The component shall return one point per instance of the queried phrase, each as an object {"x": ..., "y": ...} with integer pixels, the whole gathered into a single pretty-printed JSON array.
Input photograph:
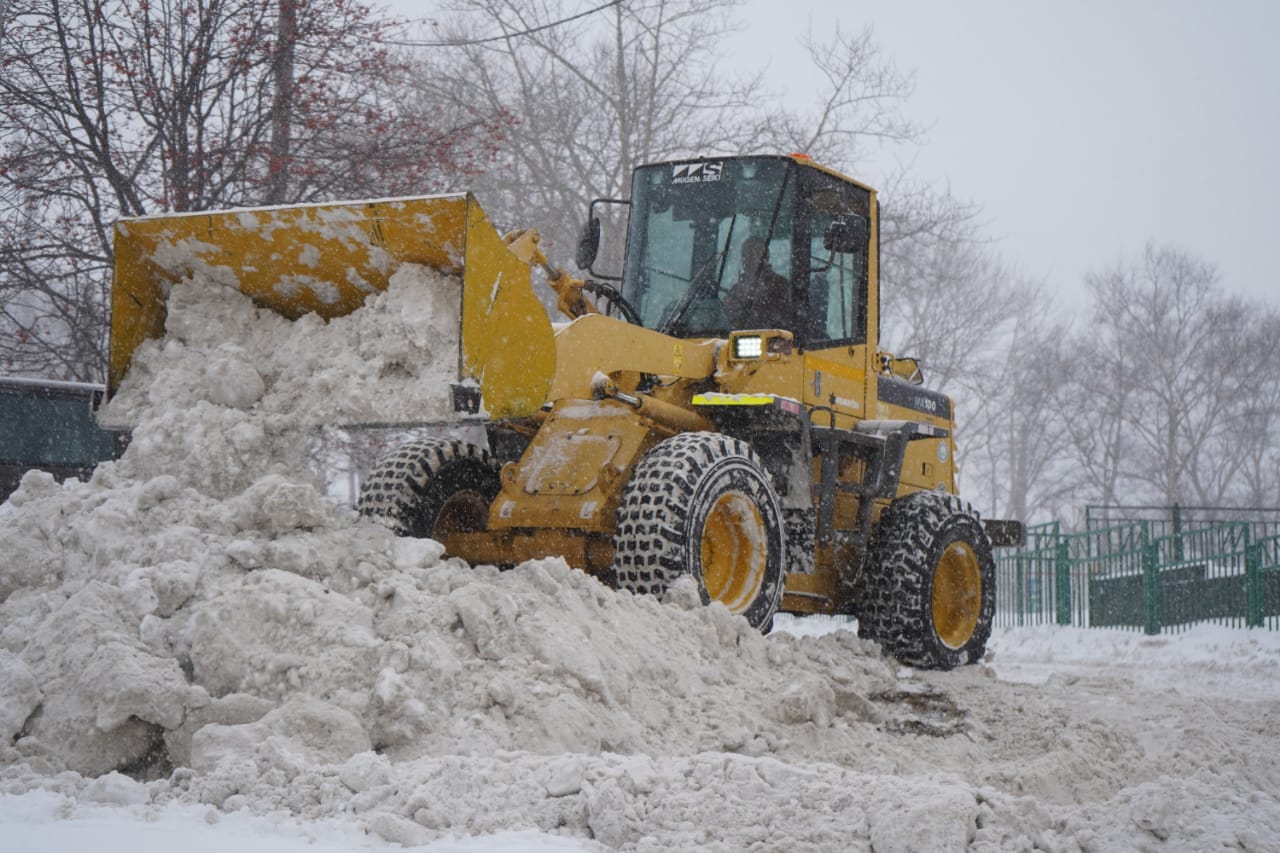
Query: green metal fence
[
  {"x": 1262, "y": 586},
  {"x": 1028, "y": 584},
  {"x": 1175, "y": 518},
  {"x": 1127, "y": 575}
]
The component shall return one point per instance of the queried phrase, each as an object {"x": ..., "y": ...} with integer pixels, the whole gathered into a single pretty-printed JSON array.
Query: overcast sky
[
  {"x": 1087, "y": 129},
  {"x": 1084, "y": 128}
]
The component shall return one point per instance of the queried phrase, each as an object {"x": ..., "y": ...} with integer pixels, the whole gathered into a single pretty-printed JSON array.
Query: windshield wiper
[{"x": 704, "y": 284}]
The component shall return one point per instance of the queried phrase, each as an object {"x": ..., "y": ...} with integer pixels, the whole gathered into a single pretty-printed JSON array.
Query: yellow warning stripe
[{"x": 733, "y": 399}]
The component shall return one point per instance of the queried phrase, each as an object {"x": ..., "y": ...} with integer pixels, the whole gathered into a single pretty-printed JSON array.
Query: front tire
[
  {"x": 929, "y": 597},
  {"x": 431, "y": 488},
  {"x": 701, "y": 504}
]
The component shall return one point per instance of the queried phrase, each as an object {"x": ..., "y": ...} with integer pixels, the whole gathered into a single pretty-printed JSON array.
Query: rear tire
[
  {"x": 701, "y": 504},
  {"x": 430, "y": 488},
  {"x": 929, "y": 594}
]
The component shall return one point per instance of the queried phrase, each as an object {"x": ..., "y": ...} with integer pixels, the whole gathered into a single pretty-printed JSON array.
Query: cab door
[{"x": 834, "y": 334}]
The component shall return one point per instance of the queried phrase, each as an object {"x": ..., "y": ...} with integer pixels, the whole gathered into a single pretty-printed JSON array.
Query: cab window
[{"x": 837, "y": 282}]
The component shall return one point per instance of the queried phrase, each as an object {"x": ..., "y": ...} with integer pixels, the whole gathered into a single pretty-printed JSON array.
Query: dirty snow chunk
[
  {"x": 807, "y": 698},
  {"x": 683, "y": 593},
  {"x": 566, "y": 778},
  {"x": 232, "y": 379},
  {"x": 232, "y": 710},
  {"x": 488, "y": 616},
  {"x": 302, "y": 732},
  {"x": 19, "y": 695},
  {"x": 127, "y": 683},
  {"x": 116, "y": 789},
  {"x": 163, "y": 588},
  {"x": 263, "y": 634},
  {"x": 34, "y": 484},
  {"x": 105, "y": 696},
  {"x": 30, "y": 558},
  {"x": 923, "y": 813},
  {"x": 416, "y": 553},
  {"x": 399, "y": 830},
  {"x": 365, "y": 771},
  {"x": 275, "y": 504}
]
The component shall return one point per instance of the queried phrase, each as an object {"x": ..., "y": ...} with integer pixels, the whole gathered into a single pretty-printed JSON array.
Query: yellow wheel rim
[
  {"x": 735, "y": 551},
  {"x": 957, "y": 594}
]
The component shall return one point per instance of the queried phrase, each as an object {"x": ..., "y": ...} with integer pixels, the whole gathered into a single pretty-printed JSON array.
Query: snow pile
[
  {"x": 222, "y": 396},
  {"x": 198, "y": 625}
]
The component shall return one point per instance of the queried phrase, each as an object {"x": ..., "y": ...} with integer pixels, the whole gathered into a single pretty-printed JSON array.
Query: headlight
[{"x": 748, "y": 346}]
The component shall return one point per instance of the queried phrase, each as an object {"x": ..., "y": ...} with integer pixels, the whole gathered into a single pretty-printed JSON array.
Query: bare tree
[
  {"x": 950, "y": 303},
  {"x": 1241, "y": 443},
  {"x": 981, "y": 334},
  {"x": 115, "y": 108},
  {"x": 1095, "y": 394},
  {"x": 593, "y": 97},
  {"x": 1016, "y": 427},
  {"x": 1254, "y": 477},
  {"x": 1178, "y": 382},
  {"x": 638, "y": 82},
  {"x": 856, "y": 107}
]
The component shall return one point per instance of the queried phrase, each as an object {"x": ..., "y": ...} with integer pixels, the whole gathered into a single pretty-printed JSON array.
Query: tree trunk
[{"x": 282, "y": 102}]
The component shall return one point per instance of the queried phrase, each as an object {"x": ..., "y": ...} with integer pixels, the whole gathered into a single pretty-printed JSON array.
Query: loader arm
[
  {"x": 596, "y": 344},
  {"x": 571, "y": 292}
]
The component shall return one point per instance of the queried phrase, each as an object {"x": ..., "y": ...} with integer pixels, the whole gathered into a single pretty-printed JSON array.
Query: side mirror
[
  {"x": 907, "y": 368},
  {"x": 847, "y": 233},
  {"x": 588, "y": 244}
]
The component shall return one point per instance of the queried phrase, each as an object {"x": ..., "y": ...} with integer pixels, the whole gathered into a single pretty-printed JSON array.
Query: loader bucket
[{"x": 326, "y": 259}]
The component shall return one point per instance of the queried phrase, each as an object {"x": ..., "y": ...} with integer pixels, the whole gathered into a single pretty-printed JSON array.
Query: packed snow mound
[
  {"x": 200, "y": 623},
  {"x": 249, "y": 379},
  {"x": 167, "y": 606}
]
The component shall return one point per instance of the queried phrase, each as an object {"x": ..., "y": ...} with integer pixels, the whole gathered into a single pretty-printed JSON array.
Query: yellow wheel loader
[{"x": 718, "y": 409}]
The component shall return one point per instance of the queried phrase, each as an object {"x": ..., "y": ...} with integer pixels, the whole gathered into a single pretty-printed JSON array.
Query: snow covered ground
[
  {"x": 273, "y": 673},
  {"x": 1168, "y": 687}
]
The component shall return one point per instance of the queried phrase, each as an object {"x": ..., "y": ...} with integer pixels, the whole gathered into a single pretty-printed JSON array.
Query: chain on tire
[
  {"x": 929, "y": 593},
  {"x": 431, "y": 487},
  {"x": 701, "y": 504}
]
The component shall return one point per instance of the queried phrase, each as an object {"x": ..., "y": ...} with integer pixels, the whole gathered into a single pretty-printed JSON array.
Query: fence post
[
  {"x": 1178, "y": 553},
  {"x": 1062, "y": 580},
  {"x": 1151, "y": 588},
  {"x": 1020, "y": 586},
  {"x": 1253, "y": 586}
]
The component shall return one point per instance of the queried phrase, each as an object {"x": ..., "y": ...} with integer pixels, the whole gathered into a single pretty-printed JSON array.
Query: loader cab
[{"x": 725, "y": 244}]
